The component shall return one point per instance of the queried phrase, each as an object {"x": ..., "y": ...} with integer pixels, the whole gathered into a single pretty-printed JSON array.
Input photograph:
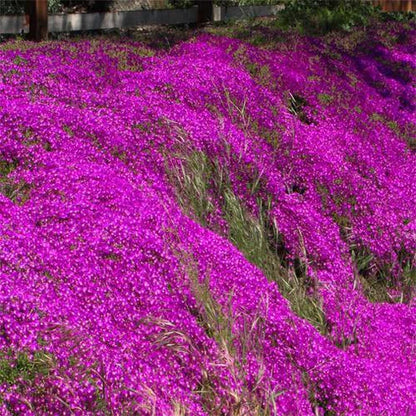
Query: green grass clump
[
  {"x": 18, "y": 192},
  {"x": 377, "y": 281},
  {"x": 24, "y": 366},
  {"x": 234, "y": 347},
  {"x": 202, "y": 185}
]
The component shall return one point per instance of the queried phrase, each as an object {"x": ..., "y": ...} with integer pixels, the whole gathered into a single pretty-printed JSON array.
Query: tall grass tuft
[{"x": 202, "y": 187}]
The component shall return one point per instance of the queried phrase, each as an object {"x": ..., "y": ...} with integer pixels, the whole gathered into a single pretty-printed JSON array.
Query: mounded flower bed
[{"x": 221, "y": 228}]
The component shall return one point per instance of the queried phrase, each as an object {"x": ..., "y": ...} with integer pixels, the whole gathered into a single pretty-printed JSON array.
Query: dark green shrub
[
  {"x": 17, "y": 7},
  {"x": 180, "y": 4},
  {"x": 398, "y": 16},
  {"x": 322, "y": 16},
  {"x": 245, "y": 2}
]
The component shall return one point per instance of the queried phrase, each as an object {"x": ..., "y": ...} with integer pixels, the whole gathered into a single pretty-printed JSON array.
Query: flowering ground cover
[{"x": 224, "y": 228}]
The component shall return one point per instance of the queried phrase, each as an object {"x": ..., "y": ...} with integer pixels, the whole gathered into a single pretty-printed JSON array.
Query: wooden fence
[{"x": 396, "y": 5}]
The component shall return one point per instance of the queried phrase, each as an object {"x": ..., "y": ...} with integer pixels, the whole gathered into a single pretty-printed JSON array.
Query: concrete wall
[
  {"x": 93, "y": 21},
  {"x": 12, "y": 24}
]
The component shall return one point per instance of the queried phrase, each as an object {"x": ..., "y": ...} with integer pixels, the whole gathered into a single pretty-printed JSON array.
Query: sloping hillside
[{"x": 219, "y": 229}]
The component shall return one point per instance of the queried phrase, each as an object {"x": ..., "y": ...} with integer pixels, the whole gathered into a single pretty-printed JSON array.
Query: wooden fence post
[
  {"x": 204, "y": 10},
  {"x": 38, "y": 19}
]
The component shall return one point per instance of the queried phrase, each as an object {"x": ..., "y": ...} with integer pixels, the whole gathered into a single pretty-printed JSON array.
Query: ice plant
[{"x": 216, "y": 229}]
